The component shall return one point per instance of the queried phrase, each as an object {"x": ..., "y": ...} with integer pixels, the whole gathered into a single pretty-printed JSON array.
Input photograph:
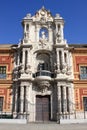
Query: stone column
[
  {"x": 15, "y": 109},
  {"x": 59, "y": 98},
  {"x": 27, "y": 103},
  {"x": 21, "y": 100},
  {"x": 15, "y": 101},
  {"x": 27, "y": 100},
  {"x": 67, "y": 58},
  {"x": 23, "y": 59},
  {"x": 64, "y": 100},
  {"x": 72, "y": 99},
  {"x": 29, "y": 57},
  {"x": 50, "y": 36},
  {"x": 56, "y": 31},
  {"x": 67, "y": 62},
  {"x": 62, "y": 53},
  {"x": 37, "y": 33},
  {"x": 56, "y": 28},
  {"x": 70, "y": 59},
  {"x": 63, "y": 61},
  {"x": 58, "y": 61}
]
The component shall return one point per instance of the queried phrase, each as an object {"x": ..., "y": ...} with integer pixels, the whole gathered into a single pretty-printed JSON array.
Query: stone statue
[
  {"x": 43, "y": 35},
  {"x": 43, "y": 38}
]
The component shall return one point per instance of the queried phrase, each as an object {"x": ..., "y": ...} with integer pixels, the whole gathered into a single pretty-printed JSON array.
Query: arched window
[{"x": 43, "y": 62}]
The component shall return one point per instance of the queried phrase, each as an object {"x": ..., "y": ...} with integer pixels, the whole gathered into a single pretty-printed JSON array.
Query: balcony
[{"x": 42, "y": 75}]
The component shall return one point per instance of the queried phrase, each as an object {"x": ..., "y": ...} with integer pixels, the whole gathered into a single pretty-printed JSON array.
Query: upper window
[
  {"x": 83, "y": 72},
  {"x": 2, "y": 72}
]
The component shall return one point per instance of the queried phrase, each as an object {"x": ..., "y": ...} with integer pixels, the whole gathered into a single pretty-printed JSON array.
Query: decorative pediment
[{"x": 43, "y": 15}]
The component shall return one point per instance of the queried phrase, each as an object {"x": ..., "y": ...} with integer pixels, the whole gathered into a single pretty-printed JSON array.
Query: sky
[{"x": 74, "y": 13}]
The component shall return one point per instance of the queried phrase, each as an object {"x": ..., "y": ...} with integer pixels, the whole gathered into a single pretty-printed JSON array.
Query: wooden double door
[{"x": 42, "y": 108}]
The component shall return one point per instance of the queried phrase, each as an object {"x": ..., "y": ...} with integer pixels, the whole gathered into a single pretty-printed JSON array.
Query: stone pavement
[{"x": 43, "y": 126}]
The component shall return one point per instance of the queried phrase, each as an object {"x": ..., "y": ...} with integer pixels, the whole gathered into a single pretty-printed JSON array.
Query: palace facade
[
  {"x": 46, "y": 75},
  {"x": 43, "y": 74},
  {"x": 6, "y": 67},
  {"x": 79, "y": 54}
]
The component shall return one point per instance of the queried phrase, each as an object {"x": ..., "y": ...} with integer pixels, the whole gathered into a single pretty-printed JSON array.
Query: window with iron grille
[
  {"x": 1, "y": 103},
  {"x": 85, "y": 103},
  {"x": 2, "y": 72},
  {"x": 83, "y": 72}
]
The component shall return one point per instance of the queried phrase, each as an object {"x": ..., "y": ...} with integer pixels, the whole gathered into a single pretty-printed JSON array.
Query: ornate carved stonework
[
  {"x": 43, "y": 16},
  {"x": 21, "y": 69},
  {"x": 28, "y": 70},
  {"x": 43, "y": 85}
]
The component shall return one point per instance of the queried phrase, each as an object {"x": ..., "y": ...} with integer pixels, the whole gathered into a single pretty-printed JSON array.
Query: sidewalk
[{"x": 43, "y": 126}]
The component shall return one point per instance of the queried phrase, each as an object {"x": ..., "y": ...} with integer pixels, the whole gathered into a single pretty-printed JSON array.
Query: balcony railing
[{"x": 44, "y": 73}]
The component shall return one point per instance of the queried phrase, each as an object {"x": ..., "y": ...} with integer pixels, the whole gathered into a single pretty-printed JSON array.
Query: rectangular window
[
  {"x": 83, "y": 72},
  {"x": 2, "y": 72},
  {"x": 1, "y": 103},
  {"x": 85, "y": 103}
]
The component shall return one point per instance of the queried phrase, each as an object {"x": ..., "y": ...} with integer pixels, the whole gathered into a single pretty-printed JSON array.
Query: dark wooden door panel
[{"x": 42, "y": 108}]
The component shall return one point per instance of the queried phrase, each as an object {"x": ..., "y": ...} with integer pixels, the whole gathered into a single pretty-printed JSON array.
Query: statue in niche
[
  {"x": 43, "y": 38},
  {"x": 43, "y": 35}
]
